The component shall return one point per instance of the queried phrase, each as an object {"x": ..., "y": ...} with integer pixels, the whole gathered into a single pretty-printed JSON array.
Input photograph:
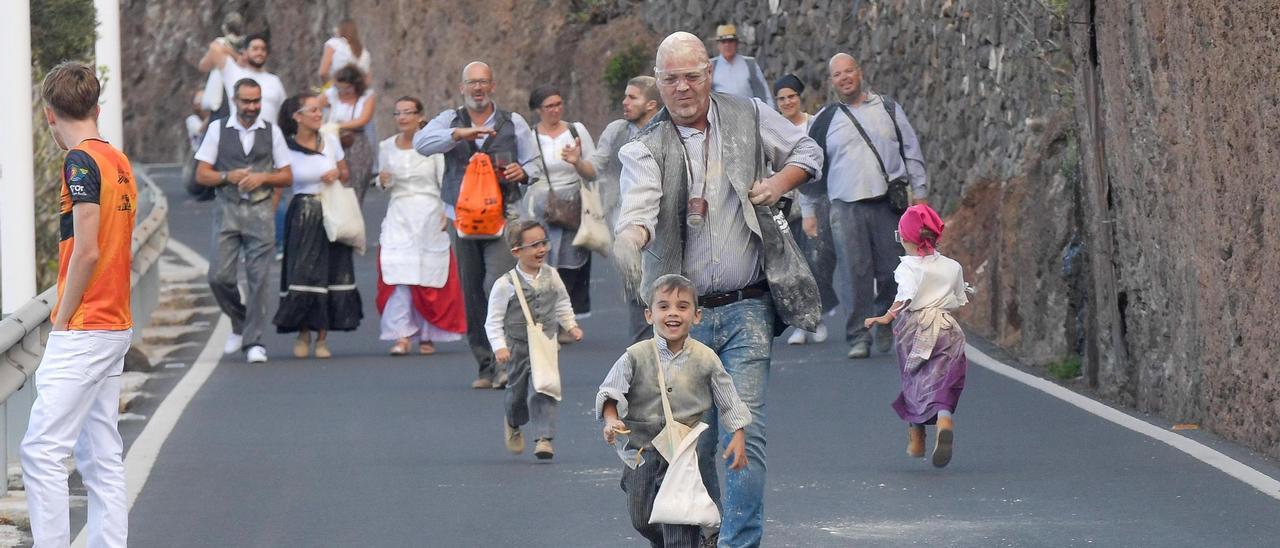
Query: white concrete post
[
  {"x": 17, "y": 167},
  {"x": 106, "y": 52}
]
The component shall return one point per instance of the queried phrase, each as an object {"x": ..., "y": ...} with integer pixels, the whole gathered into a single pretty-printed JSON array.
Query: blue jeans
[{"x": 742, "y": 335}]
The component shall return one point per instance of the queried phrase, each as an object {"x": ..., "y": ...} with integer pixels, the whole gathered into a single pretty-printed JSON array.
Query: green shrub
[
  {"x": 634, "y": 60},
  {"x": 1066, "y": 368}
]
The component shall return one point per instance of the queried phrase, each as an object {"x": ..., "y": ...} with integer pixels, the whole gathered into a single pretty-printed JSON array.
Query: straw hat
[{"x": 726, "y": 32}]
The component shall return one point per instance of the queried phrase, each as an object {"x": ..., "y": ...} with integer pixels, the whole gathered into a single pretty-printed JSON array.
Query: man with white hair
[
  {"x": 870, "y": 147},
  {"x": 737, "y": 74},
  {"x": 479, "y": 126},
  {"x": 694, "y": 203}
]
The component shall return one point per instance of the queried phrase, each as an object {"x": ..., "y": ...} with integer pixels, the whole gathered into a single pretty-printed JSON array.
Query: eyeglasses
[
  {"x": 404, "y": 112},
  {"x": 476, "y": 83},
  {"x": 310, "y": 110},
  {"x": 693, "y": 76},
  {"x": 535, "y": 244},
  {"x": 897, "y": 236}
]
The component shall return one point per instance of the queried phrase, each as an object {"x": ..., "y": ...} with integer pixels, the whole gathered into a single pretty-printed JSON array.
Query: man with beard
[
  {"x": 695, "y": 202},
  {"x": 244, "y": 158},
  {"x": 236, "y": 67},
  {"x": 855, "y": 179},
  {"x": 639, "y": 103},
  {"x": 479, "y": 126}
]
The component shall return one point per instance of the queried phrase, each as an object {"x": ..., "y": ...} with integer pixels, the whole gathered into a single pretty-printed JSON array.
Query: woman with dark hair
[
  {"x": 815, "y": 238},
  {"x": 317, "y": 278},
  {"x": 419, "y": 294},
  {"x": 558, "y": 186},
  {"x": 344, "y": 48},
  {"x": 351, "y": 105}
]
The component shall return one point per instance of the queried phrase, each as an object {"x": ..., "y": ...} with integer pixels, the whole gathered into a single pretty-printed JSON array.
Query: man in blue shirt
[{"x": 856, "y": 180}]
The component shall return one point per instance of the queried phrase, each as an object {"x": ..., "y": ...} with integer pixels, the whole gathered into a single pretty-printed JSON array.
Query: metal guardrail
[{"x": 23, "y": 333}]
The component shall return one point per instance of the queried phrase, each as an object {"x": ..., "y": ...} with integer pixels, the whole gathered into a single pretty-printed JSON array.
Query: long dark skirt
[
  {"x": 577, "y": 281},
  {"x": 317, "y": 278}
]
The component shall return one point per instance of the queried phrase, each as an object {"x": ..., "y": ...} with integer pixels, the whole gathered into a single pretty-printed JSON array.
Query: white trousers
[{"x": 77, "y": 407}]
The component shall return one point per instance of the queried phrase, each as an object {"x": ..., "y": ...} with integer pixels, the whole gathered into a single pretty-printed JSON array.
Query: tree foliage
[
  {"x": 624, "y": 65},
  {"x": 61, "y": 30}
]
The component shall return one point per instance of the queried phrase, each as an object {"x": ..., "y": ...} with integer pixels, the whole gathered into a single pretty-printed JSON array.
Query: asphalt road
[{"x": 369, "y": 450}]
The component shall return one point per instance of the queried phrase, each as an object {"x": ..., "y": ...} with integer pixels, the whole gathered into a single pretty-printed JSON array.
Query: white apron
[{"x": 415, "y": 247}]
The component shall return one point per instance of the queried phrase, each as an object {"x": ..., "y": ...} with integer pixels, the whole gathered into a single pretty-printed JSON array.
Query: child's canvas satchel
[
  {"x": 544, "y": 352},
  {"x": 682, "y": 499}
]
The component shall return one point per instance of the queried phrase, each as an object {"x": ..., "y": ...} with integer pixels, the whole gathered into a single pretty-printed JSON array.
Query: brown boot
[
  {"x": 915, "y": 441},
  {"x": 942, "y": 446}
]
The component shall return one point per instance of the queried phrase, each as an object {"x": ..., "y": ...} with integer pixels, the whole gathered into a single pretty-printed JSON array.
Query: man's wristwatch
[{"x": 224, "y": 180}]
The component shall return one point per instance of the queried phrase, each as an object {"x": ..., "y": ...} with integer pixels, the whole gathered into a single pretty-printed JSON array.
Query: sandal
[
  {"x": 401, "y": 347},
  {"x": 322, "y": 349},
  {"x": 427, "y": 348},
  {"x": 302, "y": 346}
]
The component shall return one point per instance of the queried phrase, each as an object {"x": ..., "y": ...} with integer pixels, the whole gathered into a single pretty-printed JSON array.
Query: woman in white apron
[{"x": 419, "y": 295}]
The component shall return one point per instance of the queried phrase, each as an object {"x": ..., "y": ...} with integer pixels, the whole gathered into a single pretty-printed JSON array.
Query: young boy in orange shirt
[{"x": 78, "y": 381}]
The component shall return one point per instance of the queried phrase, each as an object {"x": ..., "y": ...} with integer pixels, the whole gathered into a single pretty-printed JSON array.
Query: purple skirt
[{"x": 937, "y": 383}]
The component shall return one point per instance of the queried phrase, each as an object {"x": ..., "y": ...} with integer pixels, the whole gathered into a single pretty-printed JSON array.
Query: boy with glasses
[{"x": 548, "y": 303}]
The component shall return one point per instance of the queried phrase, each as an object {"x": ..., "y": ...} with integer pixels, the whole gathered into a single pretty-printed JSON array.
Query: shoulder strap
[
  {"x": 891, "y": 107},
  {"x": 662, "y": 383},
  {"x": 524, "y": 305},
  {"x": 866, "y": 139},
  {"x": 573, "y": 130},
  {"x": 537, "y": 137}
]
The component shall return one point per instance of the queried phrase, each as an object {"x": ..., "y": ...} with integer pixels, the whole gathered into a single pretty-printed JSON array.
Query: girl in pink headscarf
[{"x": 929, "y": 341}]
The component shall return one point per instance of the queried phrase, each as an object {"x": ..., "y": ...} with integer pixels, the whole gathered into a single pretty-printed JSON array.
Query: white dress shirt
[
  {"x": 208, "y": 151},
  {"x": 502, "y": 293}
]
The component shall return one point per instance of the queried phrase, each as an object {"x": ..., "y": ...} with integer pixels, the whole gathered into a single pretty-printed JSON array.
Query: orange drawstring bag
[{"x": 480, "y": 211}]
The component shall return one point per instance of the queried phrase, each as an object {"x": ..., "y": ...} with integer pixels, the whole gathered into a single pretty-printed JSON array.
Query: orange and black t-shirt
[{"x": 96, "y": 173}]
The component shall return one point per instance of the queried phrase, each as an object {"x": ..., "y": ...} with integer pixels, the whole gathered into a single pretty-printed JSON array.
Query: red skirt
[{"x": 442, "y": 306}]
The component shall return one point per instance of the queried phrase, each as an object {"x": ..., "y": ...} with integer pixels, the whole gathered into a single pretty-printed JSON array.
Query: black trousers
[{"x": 480, "y": 263}]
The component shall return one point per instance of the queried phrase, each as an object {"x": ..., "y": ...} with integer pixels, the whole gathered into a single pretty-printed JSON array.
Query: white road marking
[
  {"x": 1232, "y": 467},
  {"x": 142, "y": 454}
]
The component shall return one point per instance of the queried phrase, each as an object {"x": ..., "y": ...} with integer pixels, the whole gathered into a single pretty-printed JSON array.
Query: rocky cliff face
[
  {"x": 997, "y": 91},
  {"x": 1185, "y": 115}
]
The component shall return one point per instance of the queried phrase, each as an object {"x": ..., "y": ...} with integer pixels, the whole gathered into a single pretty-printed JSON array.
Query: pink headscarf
[{"x": 915, "y": 218}]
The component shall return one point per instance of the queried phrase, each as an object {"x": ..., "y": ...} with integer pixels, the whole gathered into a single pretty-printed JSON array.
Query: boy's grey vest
[
  {"x": 542, "y": 305},
  {"x": 689, "y": 389},
  {"x": 458, "y": 157},
  {"x": 795, "y": 293},
  {"x": 231, "y": 157}
]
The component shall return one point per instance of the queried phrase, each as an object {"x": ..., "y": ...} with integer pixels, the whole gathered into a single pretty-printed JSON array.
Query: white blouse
[
  {"x": 934, "y": 281},
  {"x": 342, "y": 56},
  {"x": 562, "y": 174},
  {"x": 308, "y": 168},
  {"x": 342, "y": 112},
  {"x": 412, "y": 174}
]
